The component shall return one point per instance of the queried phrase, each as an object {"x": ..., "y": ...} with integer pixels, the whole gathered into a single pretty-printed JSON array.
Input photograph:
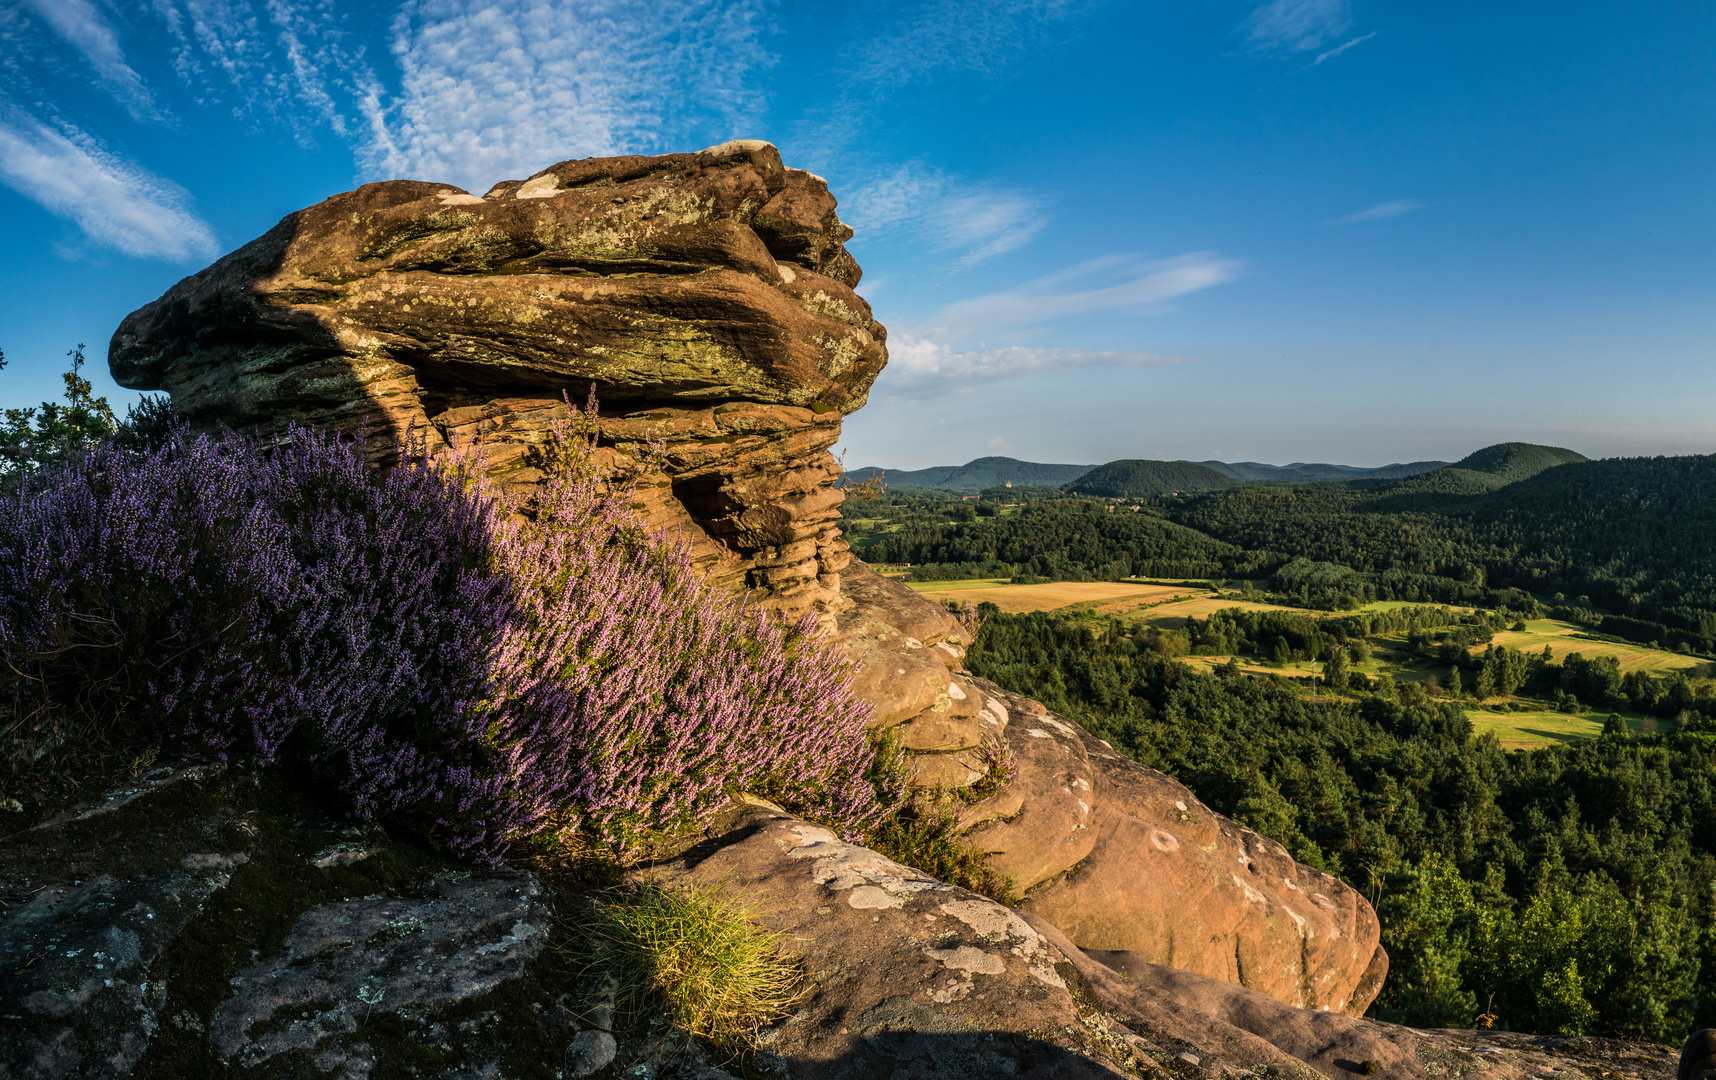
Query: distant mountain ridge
[
  {"x": 1251, "y": 471},
  {"x": 984, "y": 472},
  {"x": 1484, "y": 470},
  {"x": 1159, "y": 477}
]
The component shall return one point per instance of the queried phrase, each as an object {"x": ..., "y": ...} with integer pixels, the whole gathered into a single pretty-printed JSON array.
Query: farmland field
[
  {"x": 1203, "y": 606},
  {"x": 1566, "y": 638},
  {"x": 1099, "y": 595}
]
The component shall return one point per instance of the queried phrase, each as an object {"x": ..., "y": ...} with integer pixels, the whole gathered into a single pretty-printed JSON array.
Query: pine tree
[
  {"x": 32, "y": 438},
  {"x": 1337, "y": 672},
  {"x": 1486, "y": 687}
]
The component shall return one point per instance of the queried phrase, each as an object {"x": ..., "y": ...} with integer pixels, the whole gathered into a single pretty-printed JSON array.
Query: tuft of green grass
[{"x": 692, "y": 959}]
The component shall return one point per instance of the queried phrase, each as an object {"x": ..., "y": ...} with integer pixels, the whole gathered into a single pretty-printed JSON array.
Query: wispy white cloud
[
  {"x": 1105, "y": 284},
  {"x": 895, "y": 47},
  {"x": 929, "y": 358},
  {"x": 1297, "y": 25},
  {"x": 920, "y": 364},
  {"x": 1343, "y": 47},
  {"x": 978, "y": 221},
  {"x": 502, "y": 88},
  {"x": 1394, "y": 208},
  {"x": 288, "y": 60},
  {"x": 117, "y": 203},
  {"x": 82, "y": 27}
]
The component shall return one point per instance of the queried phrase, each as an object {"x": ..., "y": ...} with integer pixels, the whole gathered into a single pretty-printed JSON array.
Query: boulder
[
  {"x": 1125, "y": 859},
  {"x": 417, "y": 956},
  {"x": 705, "y": 298},
  {"x": 1239, "y": 1032},
  {"x": 905, "y": 976}
]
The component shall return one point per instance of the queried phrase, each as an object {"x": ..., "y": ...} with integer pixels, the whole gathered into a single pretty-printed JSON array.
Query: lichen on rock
[{"x": 707, "y": 297}]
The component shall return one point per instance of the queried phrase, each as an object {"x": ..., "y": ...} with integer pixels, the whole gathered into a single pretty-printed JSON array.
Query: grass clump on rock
[{"x": 694, "y": 960}]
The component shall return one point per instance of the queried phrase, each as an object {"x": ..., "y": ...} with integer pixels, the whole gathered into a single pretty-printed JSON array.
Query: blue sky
[{"x": 1313, "y": 230}]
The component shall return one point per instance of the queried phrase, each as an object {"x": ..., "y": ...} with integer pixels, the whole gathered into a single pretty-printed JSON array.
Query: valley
[{"x": 1481, "y": 693}]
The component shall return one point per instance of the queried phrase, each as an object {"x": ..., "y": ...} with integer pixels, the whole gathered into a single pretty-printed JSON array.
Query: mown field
[
  {"x": 1106, "y": 597},
  {"x": 1530, "y": 730},
  {"x": 1564, "y": 638}
]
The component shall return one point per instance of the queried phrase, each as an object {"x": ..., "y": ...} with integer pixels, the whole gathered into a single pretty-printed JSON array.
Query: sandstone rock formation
[
  {"x": 1120, "y": 857},
  {"x": 706, "y": 297}
]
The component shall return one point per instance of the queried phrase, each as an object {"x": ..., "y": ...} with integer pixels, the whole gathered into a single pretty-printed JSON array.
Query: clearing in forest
[
  {"x": 1566, "y": 638},
  {"x": 1533, "y": 730}
]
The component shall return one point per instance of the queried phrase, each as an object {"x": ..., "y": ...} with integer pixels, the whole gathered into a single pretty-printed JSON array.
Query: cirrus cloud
[
  {"x": 1297, "y": 25},
  {"x": 1113, "y": 282},
  {"x": 979, "y": 221},
  {"x": 1380, "y": 212},
  {"x": 917, "y": 363},
  {"x": 501, "y": 89},
  {"x": 115, "y": 202}
]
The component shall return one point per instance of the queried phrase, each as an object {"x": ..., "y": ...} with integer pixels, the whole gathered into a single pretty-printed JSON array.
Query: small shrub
[
  {"x": 924, "y": 834},
  {"x": 693, "y": 960},
  {"x": 1000, "y": 766}
]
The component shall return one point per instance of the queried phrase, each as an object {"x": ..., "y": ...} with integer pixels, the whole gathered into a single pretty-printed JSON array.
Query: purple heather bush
[{"x": 488, "y": 675}]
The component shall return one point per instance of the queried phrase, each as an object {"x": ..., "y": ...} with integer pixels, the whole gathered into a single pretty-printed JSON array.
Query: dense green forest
[
  {"x": 1570, "y": 889},
  {"x": 1629, "y": 539},
  {"x": 1621, "y": 545},
  {"x": 1062, "y": 539}
]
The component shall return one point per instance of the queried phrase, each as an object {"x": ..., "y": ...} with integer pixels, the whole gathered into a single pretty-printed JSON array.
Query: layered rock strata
[{"x": 707, "y": 298}]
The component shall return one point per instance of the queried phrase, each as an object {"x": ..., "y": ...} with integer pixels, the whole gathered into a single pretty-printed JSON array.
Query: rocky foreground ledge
[{"x": 208, "y": 922}]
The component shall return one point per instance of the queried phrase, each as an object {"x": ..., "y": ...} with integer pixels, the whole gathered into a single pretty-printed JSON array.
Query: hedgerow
[{"x": 490, "y": 672}]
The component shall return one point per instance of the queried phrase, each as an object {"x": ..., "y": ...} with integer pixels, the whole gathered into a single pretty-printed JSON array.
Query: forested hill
[
  {"x": 1518, "y": 461},
  {"x": 1629, "y": 535},
  {"x": 985, "y": 472},
  {"x": 1490, "y": 469},
  {"x": 1142, "y": 479}
]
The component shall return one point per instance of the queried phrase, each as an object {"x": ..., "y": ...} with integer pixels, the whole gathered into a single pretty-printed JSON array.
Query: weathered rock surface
[
  {"x": 1239, "y": 1031},
  {"x": 415, "y": 956},
  {"x": 376, "y": 960},
  {"x": 1125, "y": 859},
  {"x": 201, "y": 923},
  {"x": 1164, "y": 877},
  {"x": 97, "y": 896},
  {"x": 707, "y": 297},
  {"x": 906, "y": 976}
]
